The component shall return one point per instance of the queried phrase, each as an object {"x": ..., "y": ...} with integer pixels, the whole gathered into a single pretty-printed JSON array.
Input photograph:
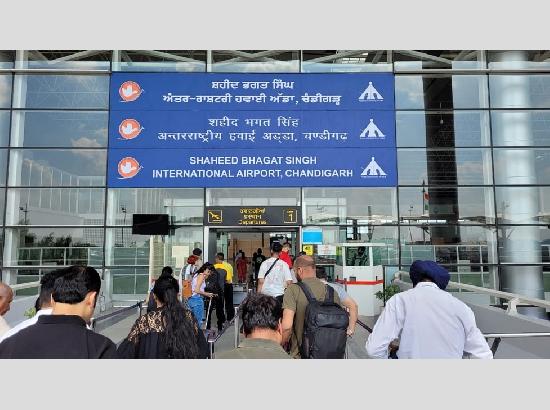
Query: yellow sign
[
  {"x": 215, "y": 216},
  {"x": 308, "y": 249},
  {"x": 290, "y": 216}
]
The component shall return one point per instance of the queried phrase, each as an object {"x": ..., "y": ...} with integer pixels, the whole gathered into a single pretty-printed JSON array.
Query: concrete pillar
[{"x": 519, "y": 245}]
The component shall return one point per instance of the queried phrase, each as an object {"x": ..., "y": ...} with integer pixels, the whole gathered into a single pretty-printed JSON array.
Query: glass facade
[{"x": 473, "y": 149}]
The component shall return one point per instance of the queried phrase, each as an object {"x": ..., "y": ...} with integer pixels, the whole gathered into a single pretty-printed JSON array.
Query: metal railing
[
  {"x": 513, "y": 299},
  {"x": 22, "y": 286},
  {"x": 125, "y": 310}
]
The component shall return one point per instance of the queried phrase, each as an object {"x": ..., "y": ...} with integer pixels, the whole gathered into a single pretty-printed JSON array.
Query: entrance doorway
[{"x": 230, "y": 241}]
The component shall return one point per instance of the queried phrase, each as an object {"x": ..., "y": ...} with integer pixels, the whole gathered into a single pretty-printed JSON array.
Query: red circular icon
[
  {"x": 129, "y": 91},
  {"x": 129, "y": 129},
  {"x": 128, "y": 167}
]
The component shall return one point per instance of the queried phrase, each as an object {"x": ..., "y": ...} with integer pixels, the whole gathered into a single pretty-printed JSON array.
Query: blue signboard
[
  {"x": 251, "y": 168},
  {"x": 205, "y": 91},
  {"x": 247, "y": 129},
  {"x": 251, "y": 130}
]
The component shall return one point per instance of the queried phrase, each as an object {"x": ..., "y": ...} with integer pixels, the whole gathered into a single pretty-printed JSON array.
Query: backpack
[
  {"x": 325, "y": 327},
  {"x": 213, "y": 283}
]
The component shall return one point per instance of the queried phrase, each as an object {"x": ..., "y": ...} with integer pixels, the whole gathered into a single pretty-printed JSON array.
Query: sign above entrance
[
  {"x": 208, "y": 91},
  {"x": 207, "y": 130},
  {"x": 252, "y": 216}
]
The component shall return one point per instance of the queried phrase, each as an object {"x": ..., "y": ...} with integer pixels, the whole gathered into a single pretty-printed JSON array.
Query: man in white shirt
[
  {"x": 6, "y": 296},
  {"x": 44, "y": 302},
  {"x": 274, "y": 275},
  {"x": 431, "y": 323}
]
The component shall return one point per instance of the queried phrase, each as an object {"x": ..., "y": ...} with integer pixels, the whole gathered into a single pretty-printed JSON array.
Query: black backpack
[
  {"x": 213, "y": 283},
  {"x": 325, "y": 327}
]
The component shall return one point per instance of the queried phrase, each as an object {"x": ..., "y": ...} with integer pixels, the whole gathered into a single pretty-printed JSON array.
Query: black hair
[
  {"x": 277, "y": 247},
  {"x": 320, "y": 272},
  {"x": 302, "y": 253},
  {"x": 46, "y": 287},
  {"x": 75, "y": 283},
  {"x": 167, "y": 271},
  {"x": 37, "y": 305},
  {"x": 259, "y": 251},
  {"x": 197, "y": 252},
  {"x": 179, "y": 328},
  {"x": 220, "y": 256},
  {"x": 261, "y": 312},
  {"x": 206, "y": 265}
]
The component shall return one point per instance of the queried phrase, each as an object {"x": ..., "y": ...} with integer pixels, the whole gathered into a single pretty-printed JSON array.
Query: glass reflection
[
  {"x": 75, "y": 129},
  {"x": 464, "y": 166},
  {"x": 54, "y": 246},
  {"x": 5, "y": 90},
  {"x": 63, "y": 91},
  {"x": 56, "y": 206},
  {"x": 4, "y": 128},
  {"x": 458, "y": 128},
  {"x": 60, "y": 167}
]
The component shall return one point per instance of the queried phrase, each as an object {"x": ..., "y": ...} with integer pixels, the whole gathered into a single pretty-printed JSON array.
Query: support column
[{"x": 519, "y": 244}]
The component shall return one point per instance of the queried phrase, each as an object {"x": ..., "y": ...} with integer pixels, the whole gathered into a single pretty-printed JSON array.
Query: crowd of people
[{"x": 293, "y": 313}]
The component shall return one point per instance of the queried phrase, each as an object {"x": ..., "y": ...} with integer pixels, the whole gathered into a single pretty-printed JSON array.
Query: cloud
[{"x": 85, "y": 142}]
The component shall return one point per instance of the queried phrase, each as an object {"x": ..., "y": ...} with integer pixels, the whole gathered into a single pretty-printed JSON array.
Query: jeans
[{"x": 196, "y": 305}]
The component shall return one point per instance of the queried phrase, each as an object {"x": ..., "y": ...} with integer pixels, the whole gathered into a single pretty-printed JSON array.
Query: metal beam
[
  {"x": 162, "y": 54},
  {"x": 425, "y": 56},
  {"x": 543, "y": 57},
  {"x": 38, "y": 55},
  {"x": 339, "y": 54},
  {"x": 377, "y": 57},
  {"x": 79, "y": 55},
  {"x": 462, "y": 55},
  {"x": 261, "y": 55}
]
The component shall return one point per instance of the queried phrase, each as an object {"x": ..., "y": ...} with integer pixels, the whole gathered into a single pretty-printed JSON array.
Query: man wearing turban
[{"x": 430, "y": 323}]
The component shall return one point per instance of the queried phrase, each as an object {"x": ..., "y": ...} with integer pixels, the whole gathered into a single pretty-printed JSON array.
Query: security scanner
[{"x": 355, "y": 269}]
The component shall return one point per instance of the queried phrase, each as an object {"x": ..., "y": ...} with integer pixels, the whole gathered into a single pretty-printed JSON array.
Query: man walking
[
  {"x": 6, "y": 297},
  {"x": 431, "y": 323},
  {"x": 63, "y": 334},
  {"x": 274, "y": 275},
  {"x": 222, "y": 266}
]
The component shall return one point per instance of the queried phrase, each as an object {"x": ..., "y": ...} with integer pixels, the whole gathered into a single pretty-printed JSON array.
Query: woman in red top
[
  {"x": 284, "y": 256},
  {"x": 241, "y": 268}
]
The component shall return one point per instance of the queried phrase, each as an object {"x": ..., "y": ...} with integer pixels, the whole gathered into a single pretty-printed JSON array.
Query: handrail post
[
  {"x": 211, "y": 343},
  {"x": 236, "y": 327},
  {"x": 512, "y": 306}
]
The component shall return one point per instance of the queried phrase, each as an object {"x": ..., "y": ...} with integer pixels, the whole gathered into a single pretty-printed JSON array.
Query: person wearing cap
[{"x": 431, "y": 323}]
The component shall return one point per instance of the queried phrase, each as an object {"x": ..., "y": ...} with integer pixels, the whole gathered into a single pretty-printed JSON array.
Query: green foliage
[
  {"x": 30, "y": 312},
  {"x": 388, "y": 292}
]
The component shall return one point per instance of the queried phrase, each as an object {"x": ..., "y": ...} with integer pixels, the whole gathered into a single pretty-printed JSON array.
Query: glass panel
[
  {"x": 185, "y": 206},
  {"x": 76, "y": 129},
  {"x": 440, "y": 59},
  {"x": 266, "y": 61},
  {"x": 130, "y": 281},
  {"x": 521, "y": 128},
  {"x": 461, "y": 166},
  {"x": 253, "y": 196},
  {"x": 63, "y": 91},
  {"x": 448, "y": 205},
  {"x": 70, "y": 59},
  {"x": 520, "y": 91},
  {"x": 155, "y": 60},
  {"x": 56, "y": 206},
  {"x": 7, "y": 58},
  {"x": 440, "y": 91},
  {"x": 442, "y": 129},
  {"x": 448, "y": 244},
  {"x": 333, "y": 235},
  {"x": 319, "y": 61},
  {"x": 4, "y": 128},
  {"x": 62, "y": 167},
  {"x": 3, "y": 166},
  {"x": 484, "y": 276},
  {"x": 524, "y": 244},
  {"x": 523, "y": 205},
  {"x": 336, "y": 206},
  {"x": 54, "y": 246},
  {"x": 5, "y": 90},
  {"x": 125, "y": 249},
  {"x": 2, "y": 199},
  {"x": 522, "y": 166},
  {"x": 513, "y": 60}
]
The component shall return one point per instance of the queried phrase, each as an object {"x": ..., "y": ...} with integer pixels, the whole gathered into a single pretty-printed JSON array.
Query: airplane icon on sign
[{"x": 215, "y": 216}]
